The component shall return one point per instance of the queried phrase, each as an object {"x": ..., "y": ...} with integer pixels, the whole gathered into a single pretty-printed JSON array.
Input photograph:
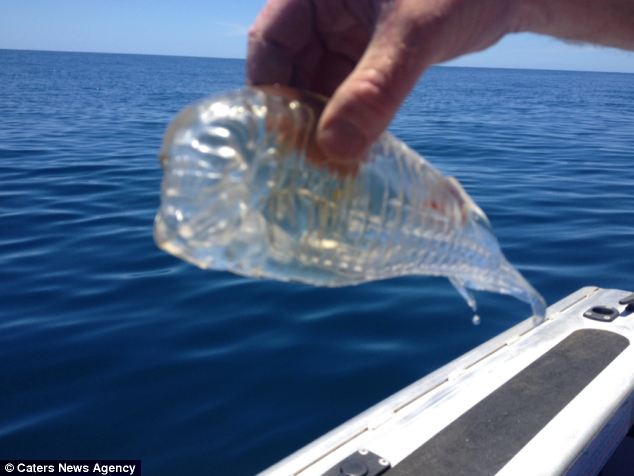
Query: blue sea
[{"x": 110, "y": 348}]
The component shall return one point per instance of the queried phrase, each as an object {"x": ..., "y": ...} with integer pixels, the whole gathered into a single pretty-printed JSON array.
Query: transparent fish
[{"x": 246, "y": 189}]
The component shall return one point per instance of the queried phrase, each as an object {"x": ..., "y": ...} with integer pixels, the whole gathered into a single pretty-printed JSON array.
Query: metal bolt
[
  {"x": 353, "y": 468},
  {"x": 363, "y": 451},
  {"x": 384, "y": 462}
]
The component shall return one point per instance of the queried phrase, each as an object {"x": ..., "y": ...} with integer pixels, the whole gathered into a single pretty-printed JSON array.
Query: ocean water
[{"x": 110, "y": 348}]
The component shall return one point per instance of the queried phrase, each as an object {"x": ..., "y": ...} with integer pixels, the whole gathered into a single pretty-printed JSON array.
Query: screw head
[{"x": 353, "y": 468}]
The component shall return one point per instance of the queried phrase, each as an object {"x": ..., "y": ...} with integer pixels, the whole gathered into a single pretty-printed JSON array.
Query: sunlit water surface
[{"x": 110, "y": 348}]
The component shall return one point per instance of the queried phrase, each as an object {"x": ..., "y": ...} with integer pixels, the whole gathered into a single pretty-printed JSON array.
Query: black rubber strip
[{"x": 487, "y": 436}]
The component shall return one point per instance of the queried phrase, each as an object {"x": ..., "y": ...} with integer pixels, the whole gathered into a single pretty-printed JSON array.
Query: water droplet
[{"x": 464, "y": 292}]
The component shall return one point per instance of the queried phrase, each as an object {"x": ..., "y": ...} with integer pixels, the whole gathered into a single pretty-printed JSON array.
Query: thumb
[{"x": 364, "y": 104}]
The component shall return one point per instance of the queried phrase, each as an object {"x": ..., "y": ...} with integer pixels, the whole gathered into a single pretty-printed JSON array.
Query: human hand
[{"x": 367, "y": 54}]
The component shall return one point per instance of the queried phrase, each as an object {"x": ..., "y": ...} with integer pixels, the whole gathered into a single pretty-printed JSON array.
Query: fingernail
[{"x": 342, "y": 140}]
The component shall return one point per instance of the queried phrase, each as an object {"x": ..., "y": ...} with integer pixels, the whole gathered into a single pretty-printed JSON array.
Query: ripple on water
[{"x": 111, "y": 348}]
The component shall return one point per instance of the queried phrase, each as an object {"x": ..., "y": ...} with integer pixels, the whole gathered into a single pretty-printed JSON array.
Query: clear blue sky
[{"x": 218, "y": 29}]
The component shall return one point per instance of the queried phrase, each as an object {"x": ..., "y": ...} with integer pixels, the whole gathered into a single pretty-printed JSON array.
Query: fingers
[
  {"x": 281, "y": 30},
  {"x": 368, "y": 98},
  {"x": 331, "y": 70}
]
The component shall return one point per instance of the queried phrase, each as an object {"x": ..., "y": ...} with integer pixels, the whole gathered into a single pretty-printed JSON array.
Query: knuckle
[
  {"x": 254, "y": 34},
  {"x": 372, "y": 88},
  {"x": 368, "y": 102}
]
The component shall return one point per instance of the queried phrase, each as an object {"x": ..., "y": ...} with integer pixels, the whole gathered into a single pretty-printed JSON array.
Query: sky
[{"x": 217, "y": 28}]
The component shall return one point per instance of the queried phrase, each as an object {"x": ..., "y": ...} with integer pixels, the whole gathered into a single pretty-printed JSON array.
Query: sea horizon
[{"x": 442, "y": 65}]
